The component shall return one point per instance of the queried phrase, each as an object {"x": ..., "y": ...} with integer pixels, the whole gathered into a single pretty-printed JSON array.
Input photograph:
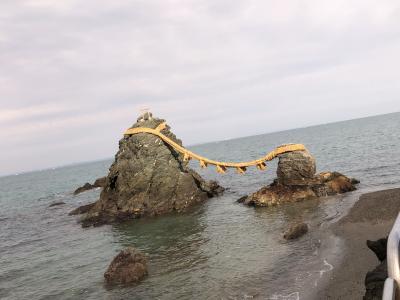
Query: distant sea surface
[{"x": 220, "y": 250}]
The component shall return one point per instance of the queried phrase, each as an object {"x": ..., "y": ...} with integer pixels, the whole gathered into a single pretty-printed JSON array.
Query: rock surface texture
[
  {"x": 100, "y": 182},
  {"x": 296, "y": 181},
  {"x": 129, "y": 266},
  {"x": 147, "y": 178}
]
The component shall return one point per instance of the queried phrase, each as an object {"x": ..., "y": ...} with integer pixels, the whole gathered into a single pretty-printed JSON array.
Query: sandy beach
[{"x": 370, "y": 218}]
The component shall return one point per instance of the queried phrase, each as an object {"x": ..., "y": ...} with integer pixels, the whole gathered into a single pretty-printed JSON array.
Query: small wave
[{"x": 330, "y": 268}]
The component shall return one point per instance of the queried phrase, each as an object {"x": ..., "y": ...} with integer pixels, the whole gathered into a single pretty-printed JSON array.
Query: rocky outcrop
[
  {"x": 295, "y": 231},
  {"x": 82, "y": 209},
  {"x": 375, "y": 279},
  {"x": 148, "y": 178},
  {"x": 100, "y": 182},
  {"x": 129, "y": 266},
  {"x": 297, "y": 181}
]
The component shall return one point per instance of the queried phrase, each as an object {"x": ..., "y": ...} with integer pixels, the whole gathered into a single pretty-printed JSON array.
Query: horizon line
[{"x": 193, "y": 145}]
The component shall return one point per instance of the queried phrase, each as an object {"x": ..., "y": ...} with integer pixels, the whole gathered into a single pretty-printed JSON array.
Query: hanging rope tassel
[
  {"x": 241, "y": 170},
  {"x": 203, "y": 164},
  {"x": 186, "y": 157},
  {"x": 221, "y": 169},
  {"x": 262, "y": 166}
]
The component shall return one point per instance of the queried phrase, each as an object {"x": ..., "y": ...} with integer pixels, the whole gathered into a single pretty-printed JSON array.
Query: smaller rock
[
  {"x": 56, "y": 203},
  {"x": 296, "y": 168},
  {"x": 295, "y": 231},
  {"x": 87, "y": 186},
  {"x": 81, "y": 209},
  {"x": 100, "y": 182},
  {"x": 242, "y": 199},
  {"x": 129, "y": 266}
]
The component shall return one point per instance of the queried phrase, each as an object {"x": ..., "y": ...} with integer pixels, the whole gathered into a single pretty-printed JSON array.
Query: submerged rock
[
  {"x": 295, "y": 231},
  {"x": 148, "y": 178},
  {"x": 56, "y": 203},
  {"x": 129, "y": 266},
  {"x": 297, "y": 181},
  {"x": 81, "y": 209},
  {"x": 100, "y": 182}
]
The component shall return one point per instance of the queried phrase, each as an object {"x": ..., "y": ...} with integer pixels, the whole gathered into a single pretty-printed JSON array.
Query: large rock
[
  {"x": 148, "y": 178},
  {"x": 129, "y": 266},
  {"x": 297, "y": 181}
]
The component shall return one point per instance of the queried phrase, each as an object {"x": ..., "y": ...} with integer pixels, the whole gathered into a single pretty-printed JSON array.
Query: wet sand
[{"x": 370, "y": 218}]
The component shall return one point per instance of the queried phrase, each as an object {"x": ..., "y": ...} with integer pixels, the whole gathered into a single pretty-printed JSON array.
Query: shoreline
[{"x": 370, "y": 218}]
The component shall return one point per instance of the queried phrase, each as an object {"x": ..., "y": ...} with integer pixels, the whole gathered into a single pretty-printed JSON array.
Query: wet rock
[
  {"x": 148, "y": 178},
  {"x": 242, "y": 199},
  {"x": 56, "y": 203},
  {"x": 297, "y": 181},
  {"x": 378, "y": 247},
  {"x": 375, "y": 281},
  {"x": 129, "y": 266},
  {"x": 87, "y": 186},
  {"x": 295, "y": 231},
  {"x": 100, "y": 182},
  {"x": 81, "y": 209}
]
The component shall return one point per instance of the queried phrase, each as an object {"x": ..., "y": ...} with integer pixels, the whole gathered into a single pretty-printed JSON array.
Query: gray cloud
[{"x": 75, "y": 73}]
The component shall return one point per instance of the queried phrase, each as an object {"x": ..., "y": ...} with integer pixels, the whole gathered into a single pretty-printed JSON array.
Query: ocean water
[{"x": 220, "y": 250}]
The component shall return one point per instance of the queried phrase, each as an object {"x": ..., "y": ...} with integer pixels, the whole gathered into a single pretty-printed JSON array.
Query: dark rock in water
[
  {"x": 100, "y": 182},
  {"x": 81, "y": 209},
  {"x": 295, "y": 231},
  {"x": 242, "y": 199},
  {"x": 148, "y": 178},
  {"x": 297, "y": 181},
  {"x": 56, "y": 203},
  {"x": 87, "y": 186},
  {"x": 378, "y": 247},
  {"x": 129, "y": 266},
  {"x": 374, "y": 282}
]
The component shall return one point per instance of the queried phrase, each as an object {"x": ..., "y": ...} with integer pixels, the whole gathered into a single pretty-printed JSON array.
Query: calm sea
[{"x": 221, "y": 250}]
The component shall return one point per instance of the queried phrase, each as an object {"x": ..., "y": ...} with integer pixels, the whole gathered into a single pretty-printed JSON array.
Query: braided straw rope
[{"x": 221, "y": 166}]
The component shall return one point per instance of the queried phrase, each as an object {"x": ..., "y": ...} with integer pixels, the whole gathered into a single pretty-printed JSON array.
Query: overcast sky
[{"x": 74, "y": 73}]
